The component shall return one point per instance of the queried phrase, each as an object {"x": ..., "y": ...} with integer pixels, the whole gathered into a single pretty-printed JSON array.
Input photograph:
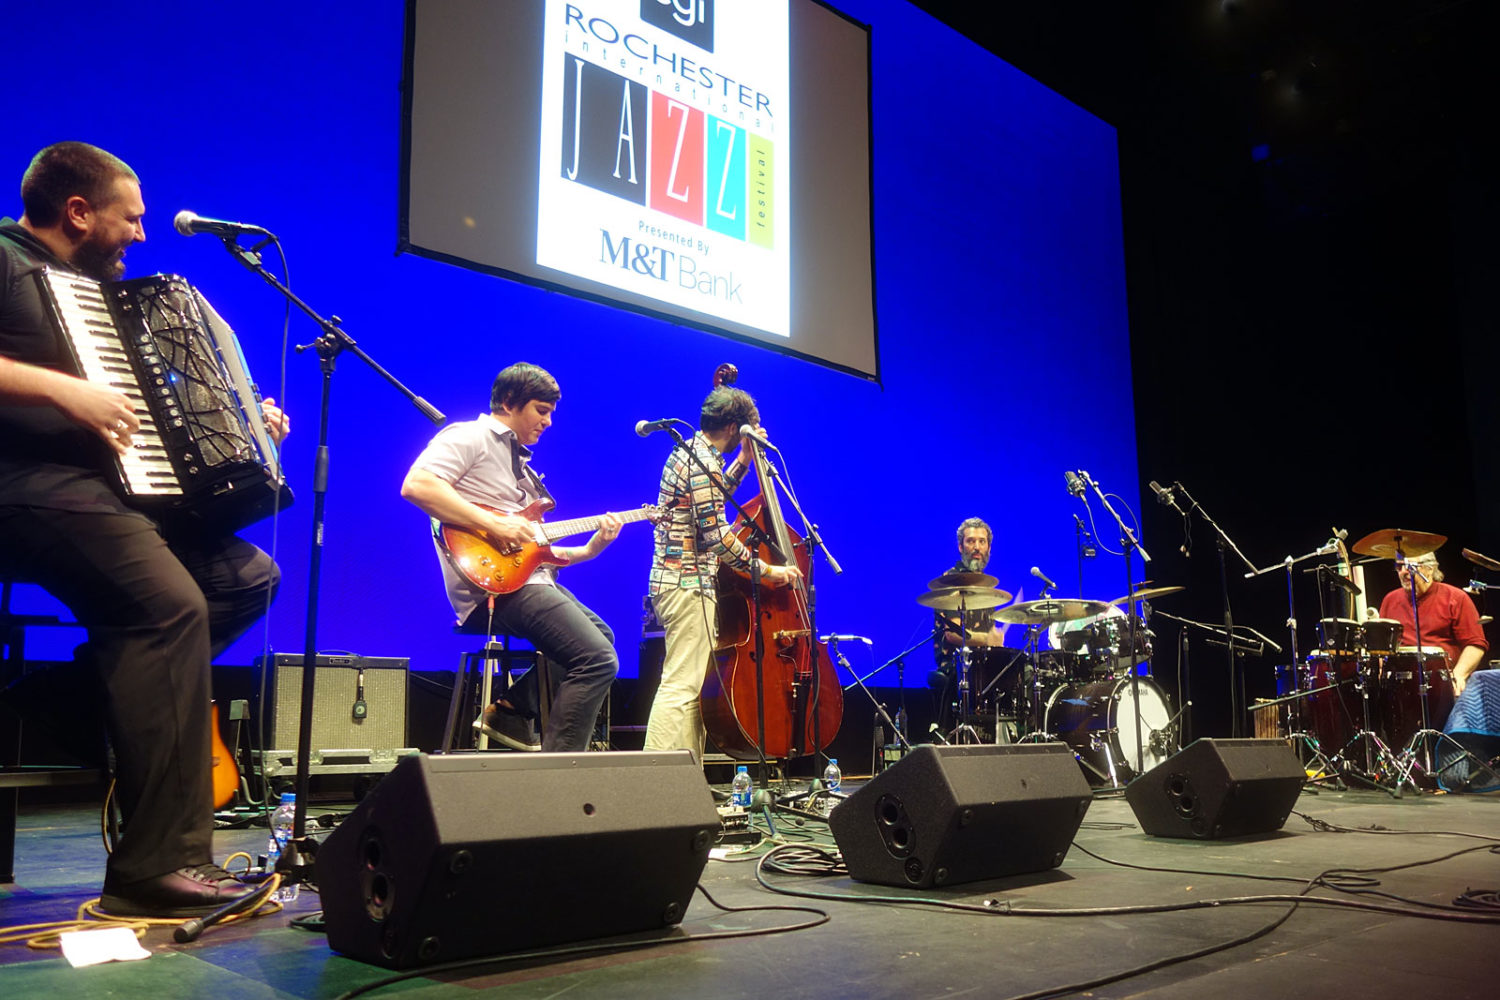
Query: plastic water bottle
[
  {"x": 741, "y": 787},
  {"x": 832, "y": 775},
  {"x": 282, "y": 822}
]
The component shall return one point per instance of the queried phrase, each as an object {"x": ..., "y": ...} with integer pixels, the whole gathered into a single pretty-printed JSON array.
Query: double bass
[{"x": 797, "y": 705}]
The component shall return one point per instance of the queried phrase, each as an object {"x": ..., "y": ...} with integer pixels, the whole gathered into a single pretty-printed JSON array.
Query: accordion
[{"x": 203, "y": 451}]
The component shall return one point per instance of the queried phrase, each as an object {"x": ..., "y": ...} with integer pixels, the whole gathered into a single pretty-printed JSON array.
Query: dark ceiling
[{"x": 1337, "y": 100}]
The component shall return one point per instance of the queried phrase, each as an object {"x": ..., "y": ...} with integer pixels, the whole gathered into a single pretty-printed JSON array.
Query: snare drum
[
  {"x": 1380, "y": 635},
  {"x": 1098, "y": 721},
  {"x": 1400, "y": 695},
  {"x": 1334, "y": 715}
]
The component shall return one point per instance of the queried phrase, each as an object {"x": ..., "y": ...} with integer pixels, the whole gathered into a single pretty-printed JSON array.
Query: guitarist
[
  {"x": 487, "y": 462},
  {"x": 690, "y": 541}
]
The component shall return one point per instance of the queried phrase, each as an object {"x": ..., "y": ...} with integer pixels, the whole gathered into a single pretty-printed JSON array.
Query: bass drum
[{"x": 1098, "y": 721}]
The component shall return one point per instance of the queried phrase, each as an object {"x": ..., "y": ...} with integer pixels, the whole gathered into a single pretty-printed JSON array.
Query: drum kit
[
  {"x": 1364, "y": 706},
  {"x": 1088, "y": 691}
]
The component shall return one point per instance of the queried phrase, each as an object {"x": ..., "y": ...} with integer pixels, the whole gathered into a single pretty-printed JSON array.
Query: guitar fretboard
[{"x": 553, "y": 530}]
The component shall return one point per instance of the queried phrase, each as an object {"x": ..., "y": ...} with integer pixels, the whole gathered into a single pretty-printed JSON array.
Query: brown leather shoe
[{"x": 187, "y": 892}]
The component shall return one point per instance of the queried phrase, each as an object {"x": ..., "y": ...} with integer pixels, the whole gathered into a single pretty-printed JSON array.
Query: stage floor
[{"x": 876, "y": 949}]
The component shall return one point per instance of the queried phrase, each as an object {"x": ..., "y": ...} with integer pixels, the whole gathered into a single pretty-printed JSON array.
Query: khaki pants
[{"x": 676, "y": 721}]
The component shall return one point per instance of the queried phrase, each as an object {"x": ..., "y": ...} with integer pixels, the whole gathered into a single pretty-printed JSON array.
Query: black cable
[{"x": 596, "y": 946}]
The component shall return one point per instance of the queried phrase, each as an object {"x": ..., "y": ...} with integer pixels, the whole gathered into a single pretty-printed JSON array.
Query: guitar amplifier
[{"x": 341, "y": 685}]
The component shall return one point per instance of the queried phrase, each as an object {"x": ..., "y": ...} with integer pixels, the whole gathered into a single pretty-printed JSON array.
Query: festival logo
[{"x": 690, "y": 20}]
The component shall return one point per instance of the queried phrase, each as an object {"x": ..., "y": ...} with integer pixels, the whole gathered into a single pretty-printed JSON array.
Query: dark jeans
[
  {"x": 580, "y": 652},
  {"x": 156, "y": 614}
]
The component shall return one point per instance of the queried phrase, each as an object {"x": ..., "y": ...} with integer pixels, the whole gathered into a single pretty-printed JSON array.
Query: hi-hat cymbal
[
  {"x": 948, "y": 581},
  {"x": 1384, "y": 543},
  {"x": 963, "y": 598},
  {"x": 1147, "y": 594},
  {"x": 1046, "y": 612},
  {"x": 1482, "y": 561}
]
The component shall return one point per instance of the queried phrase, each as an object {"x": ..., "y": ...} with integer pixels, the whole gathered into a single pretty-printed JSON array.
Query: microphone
[
  {"x": 191, "y": 223},
  {"x": 1163, "y": 495},
  {"x": 1075, "y": 485},
  {"x": 845, "y": 638},
  {"x": 935, "y": 731},
  {"x": 645, "y": 428},
  {"x": 746, "y": 431},
  {"x": 1049, "y": 585}
]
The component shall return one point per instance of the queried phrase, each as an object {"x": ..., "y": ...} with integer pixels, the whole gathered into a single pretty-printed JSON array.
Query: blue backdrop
[{"x": 1000, "y": 295}]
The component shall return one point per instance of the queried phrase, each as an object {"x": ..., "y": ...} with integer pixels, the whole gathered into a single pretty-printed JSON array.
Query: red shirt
[{"x": 1449, "y": 618}]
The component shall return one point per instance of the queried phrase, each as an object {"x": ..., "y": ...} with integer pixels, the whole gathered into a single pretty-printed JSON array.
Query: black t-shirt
[
  {"x": 980, "y": 620},
  {"x": 45, "y": 459}
]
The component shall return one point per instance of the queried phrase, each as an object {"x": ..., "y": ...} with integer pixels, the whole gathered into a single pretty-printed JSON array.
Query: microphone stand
[
  {"x": 1128, "y": 543},
  {"x": 1291, "y": 606},
  {"x": 1224, "y": 542},
  {"x": 295, "y": 863},
  {"x": 813, "y": 540}
]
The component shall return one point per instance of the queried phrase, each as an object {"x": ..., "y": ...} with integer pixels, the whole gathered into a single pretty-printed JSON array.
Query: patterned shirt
[{"x": 694, "y": 535}]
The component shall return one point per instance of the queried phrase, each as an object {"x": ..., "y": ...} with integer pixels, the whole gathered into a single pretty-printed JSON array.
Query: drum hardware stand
[
  {"x": 296, "y": 862},
  {"x": 962, "y": 731},
  {"x": 1035, "y": 710},
  {"x": 1379, "y": 759},
  {"x": 1128, "y": 543},
  {"x": 1411, "y": 762}
]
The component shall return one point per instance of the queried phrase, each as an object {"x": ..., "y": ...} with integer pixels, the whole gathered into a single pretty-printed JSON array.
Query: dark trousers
[
  {"x": 156, "y": 613},
  {"x": 580, "y": 652}
]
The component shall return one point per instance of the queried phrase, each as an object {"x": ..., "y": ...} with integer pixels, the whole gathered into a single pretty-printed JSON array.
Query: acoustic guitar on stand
[{"x": 484, "y": 565}]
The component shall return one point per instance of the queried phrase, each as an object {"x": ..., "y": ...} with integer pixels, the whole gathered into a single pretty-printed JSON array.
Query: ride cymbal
[
  {"x": 948, "y": 581},
  {"x": 1384, "y": 543},
  {"x": 1046, "y": 612},
  {"x": 963, "y": 598},
  {"x": 1482, "y": 561},
  {"x": 1147, "y": 594}
]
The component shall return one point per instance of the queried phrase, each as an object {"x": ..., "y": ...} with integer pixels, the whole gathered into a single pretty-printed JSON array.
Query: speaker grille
[{"x": 335, "y": 690}]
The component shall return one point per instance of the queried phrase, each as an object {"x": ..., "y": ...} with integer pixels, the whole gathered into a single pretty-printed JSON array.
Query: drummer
[
  {"x": 978, "y": 627},
  {"x": 1449, "y": 618},
  {"x": 974, "y": 538}
]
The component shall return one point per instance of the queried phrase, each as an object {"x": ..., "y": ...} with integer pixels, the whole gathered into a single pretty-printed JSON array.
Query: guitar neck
[{"x": 553, "y": 530}]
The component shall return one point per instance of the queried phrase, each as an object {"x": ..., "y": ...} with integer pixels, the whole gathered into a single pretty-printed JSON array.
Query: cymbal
[
  {"x": 1048, "y": 611},
  {"x": 1147, "y": 594},
  {"x": 948, "y": 581},
  {"x": 1382, "y": 544},
  {"x": 1482, "y": 561},
  {"x": 965, "y": 598}
]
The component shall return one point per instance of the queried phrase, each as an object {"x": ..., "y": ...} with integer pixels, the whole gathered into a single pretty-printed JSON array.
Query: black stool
[{"x": 476, "y": 674}]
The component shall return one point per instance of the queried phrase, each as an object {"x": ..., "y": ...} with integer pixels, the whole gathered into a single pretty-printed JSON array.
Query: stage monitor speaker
[
  {"x": 358, "y": 702},
  {"x": 1218, "y": 788},
  {"x": 454, "y": 857},
  {"x": 951, "y": 814}
]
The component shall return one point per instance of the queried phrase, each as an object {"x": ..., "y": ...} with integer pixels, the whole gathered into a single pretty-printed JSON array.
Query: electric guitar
[
  {"x": 226, "y": 774},
  {"x": 484, "y": 565}
]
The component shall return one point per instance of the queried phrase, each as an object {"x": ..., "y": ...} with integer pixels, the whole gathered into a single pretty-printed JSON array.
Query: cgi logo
[{"x": 690, "y": 20}]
